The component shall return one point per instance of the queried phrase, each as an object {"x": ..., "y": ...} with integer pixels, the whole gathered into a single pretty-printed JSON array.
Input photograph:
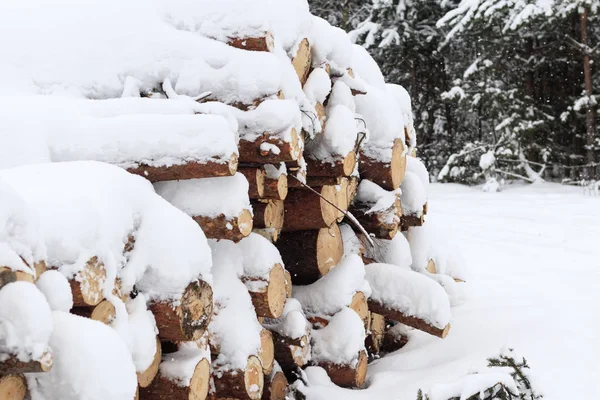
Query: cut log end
[
  {"x": 302, "y": 61},
  {"x": 288, "y": 284},
  {"x": 163, "y": 388},
  {"x": 88, "y": 283},
  {"x": 276, "y": 189},
  {"x": 350, "y": 376},
  {"x": 264, "y": 42},
  {"x": 268, "y": 214},
  {"x": 409, "y": 320},
  {"x": 344, "y": 166},
  {"x": 267, "y": 351},
  {"x": 389, "y": 175},
  {"x": 13, "y": 387},
  {"x": 431, "y": 267},
  {"x": 200, "y": 382},
  {"x": 247, "y": 384},
  {"x": 276, "y": 387},
  {"x": 146, "y": 377},
  {"x": 270, "y": 301},
  {"x": 330, "y": 248},
  {"x": 221, "y": 227},
  {"x": 189, "y": 170},
  {"x": 360, "y": 306}
]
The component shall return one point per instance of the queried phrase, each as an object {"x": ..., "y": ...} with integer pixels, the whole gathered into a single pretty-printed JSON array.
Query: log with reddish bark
[
  {"x": 415, "y": 322},
  {"x": 386, "y": 173},
  {"x": 268, "y": 214},
  {"x": 245, "y": 384},
  {"x": 340, "y": 166},
  {"x": 256, "y": 181},
  {"x": 308, "y": 255},
  {"x": 188, "y": 318},
  {"x": 146, "y": 377},
  {"x": 358, "y": 303},
  {"x": 276, "y": 385},
  {"x": 270, "y": 148},
  {"x": 266, "y": 353},
  {"x": 302, "y": 60},
  {"x": 222, "y": 227},
  {"x": 268, "y": 295},
  {"x": 189, "y": 170},
  {"x": 408, "y": 221},
  {"x": 383, "y": 224},
  {"x": 261, "y": 42},
  {"x": 305, "y": 210},
  {"x": 352, "y": 375},
  {"x": 87, "y": 284},
  {"x": 14, "y": 387},
  {"x": 13, "y": 366}
]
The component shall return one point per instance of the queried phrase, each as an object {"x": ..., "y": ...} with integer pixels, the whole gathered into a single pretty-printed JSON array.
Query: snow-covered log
[
  {"x": 271, "y": 148},
  {"x": 276, "y": 385},
  {"x": 266, "y": 182},
  {"x": 339, "y": 349},
  {"x": 186, "y": 318},
  {"x": 103, "y": 312},
  {"x": 414, "y": 199},
  {"x": 394, "y": 338},
  {"x": 182, "y": 375},
  {"x": 306, "y": 210},
  {"x": 88, "y": 283},
  {"x": 263, "y": 275},
  {"x": 14, "y": 387},
  {"x": 271, "y": 234},
  {"x": 261, "y": 42},
  {"x": 256, "y": 181},
  {"x": 377, "y": 209},
  {"x": 375, "y": 333},
  {"x": 302, "y": 60},
  {"x": 146, "y": 377},
  {"x": 219, "y": 205},
  {"x": 410, "y": 298},
  {"x": 247, "y": 383},
  {"x": 308, "y": 255},
  {"x": 266, "y": 353},
  {"x": 344, "y": 286},
  {"x": 387, "y": 173},
  {"x": 268, "y": 214}
]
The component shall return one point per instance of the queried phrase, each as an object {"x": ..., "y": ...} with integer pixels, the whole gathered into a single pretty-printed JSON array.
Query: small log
[
  {"x": 388, "y": 175},
  {"x": 276, "y": 386},
  {"x": 290, "y": 353},
  {"x": 146, "y": 377},
  {"x": 190, "y": 170},
  {"x": 14, "y": 387},
  {"x": 276, "y": 189},
  {"x": 383, "y": 224},
  {"x": 305, "y": 210},
  {"x": 375, "y": 333},
  {"x": 104, "y": 312},
  {"x": 268, "y": 297},
  {"x": 221, "y": 227},
  {"x": 262, "y": 42},
  {"x": 246, "y": 384},
  {"x": 350, "y": 376},
  {"x": 308, "y": 255},
  {"x": 317, "y": 181},
  {"x": 7, "y": 275},
  {"x": 302, "y": 61},
  {"x": 360, "y": 306},
  {"x": 288, "y": 284},
  {"x": 267, "y": 351},
  {"x": 256, "y": 181},
  {"x": 163, "y": 388},
  {"x": 270, "y": 148},
  {"x": 88, "y": 283},
  {"x": 408, "y": 221},
  {"x": 189, "y": 318},
  {"x": 344, "y": 166},
  {"x": 13, "y": 366},
  {"x": 268, "y": 214},
  {"x": 296, "y": 175},
  {"x": 414, "y": 322}
]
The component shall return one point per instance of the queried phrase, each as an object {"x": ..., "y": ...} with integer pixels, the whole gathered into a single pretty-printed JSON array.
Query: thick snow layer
[
  {"x": 155, "y": 140},
  {"x": 365, "y": 67},
  {"x": 234, "y": 328},
  {"x": 179, "y": 367},
  {"x": 338, "y": 138},
  {"x": 90, "y": 362},
  {"x": 143, "y": 331},
  {"x": 317, "y": 86},
  {"x": 89, "y": 209},
  {"x": 374, "y": 195},
  {"x": 25, "y": 322},
  {"x": 404, "y": 103},
  {"x": 271, "y": 116},
  {"x": 333, "y": 291},
  {"x": 21, "y": 239},
  {"x": 208, "y": 197},
  {"x": 409, "y": 292},
  {"x": 260, "y": 255},
  {"x": 396, "y": 251},
  {"x": 292, "y": 323},
  {"x": 417, "y": 167},
  {"x": 341, "y": 340},
  {"x": 330, "y": 45},
  {"x": 57, "y": 290},
  {"x": 341, "y": 95},
  {"x": 413, "y": 195}
]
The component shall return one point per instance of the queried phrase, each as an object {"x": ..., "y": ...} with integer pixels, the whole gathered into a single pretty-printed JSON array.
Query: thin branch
[{"x": 515, "y": 175}]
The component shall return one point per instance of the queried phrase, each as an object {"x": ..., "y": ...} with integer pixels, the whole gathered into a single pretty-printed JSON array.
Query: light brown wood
[
  {"x": 288, "y": 284},
  {"x": 276, "y": 189},
  {"x": 146, "y": 377},
  {"x": 389, "y": 175},
  {"x": 268, "y": 214},
  {"x": 7, "y": 275},
  {"x": 412, "y": 321},
  {"x": 267, "y": 351},
  {"x": 375, "y": 333},
  {"x": 431, "y": 267},
  {"x": 104, "y": 312},
  {"x": 350, "y": 376},
  {"x": 256, "y": 181},
  {"x": 342, "y": 166},
  {"x": 392, "y": 341},
  {"x": 13, "y": 366},
  {"x": 268, "y": 297},
  {"x": 262, "y": 42},
  {"x": 383, "y": 224},
  {"x": 276, "y": 386},
  {"x": 87, "y": 285},
  {"x": 187, "y": 320},
  {"x": 360, "y": 306},
  {"x": 14, "y": 387},
  {"x": 189, "y": 170},
  {"x": 23, "y": 276},
  {"x": 302, "y": 61},
  {"x": 308, "y": 255},
  {"x": 343, "y": 198},
  {"x": 40, "y": 267},
  {"x": 221, "y": 227},
  {"x": 408, "y": 221},
  {"x": 244, "y": 385},
  {"x": 162, "y": 388},
  {"x": 259, "y": 149},
  {"x": 305, "y": 210}
]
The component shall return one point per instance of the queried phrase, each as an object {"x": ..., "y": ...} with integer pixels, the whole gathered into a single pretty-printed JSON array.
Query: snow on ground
[{"x": 534, "y": 270}]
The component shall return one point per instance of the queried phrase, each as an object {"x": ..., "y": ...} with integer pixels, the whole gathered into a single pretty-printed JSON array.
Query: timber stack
[{"x": 280, "y": 226}]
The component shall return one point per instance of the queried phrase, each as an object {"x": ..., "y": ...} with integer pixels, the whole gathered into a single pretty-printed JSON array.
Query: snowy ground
[{"x": 534, "y": 258}]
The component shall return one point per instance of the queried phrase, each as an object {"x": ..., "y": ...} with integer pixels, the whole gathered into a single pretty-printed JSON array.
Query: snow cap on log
[
  {"x": 340, "y": 341},
  {"x": 413, "y": 195},
  {"x": 330, "y": 45},
  {"x": 260, "y": 256},
  {"x": 396, "y": 251},
  {"x": 56, "y": 288}
]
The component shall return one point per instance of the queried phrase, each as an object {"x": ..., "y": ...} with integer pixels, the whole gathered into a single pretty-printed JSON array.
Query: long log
[
  {"x": 188, "y": 319},
  {"x": 276, "y": 386},
  {"x": 414, "y": 322},
  {"x": 267, "y": 351},
  {"x": 256, "y": 181},
  {"x": 268, "y": 214},
  {"x": 246, "y": 384},
  {"x": 163, "y": 388},
  {"x": 352, "y": 375},
  {"x": 221, "y": 227},
  {"x": 262, "y": 42},
  {"x": 306, "y": 210},
  {"x": 302, "y": 61},
  {"x": 190, "y": 170},
  {"x": 146, "y": 377},
  {"x": 268, "y": 297},
  {"x": 288, "y": 284},
  {"x": 14, "y": 387},
  {"x": 270, "y": 148},
  {"x": 308, "y": 255},
  {"x": 275, "y": 188},
  {"x": 343, "y": 166},
  {"x": 388, "y": 175},
  {"x": 88, "y": 283},
  {"x": 13, "y": 366}
]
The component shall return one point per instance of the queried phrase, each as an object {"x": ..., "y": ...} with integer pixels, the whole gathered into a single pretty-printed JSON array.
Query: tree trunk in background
[{"x": 591, "y": 112}]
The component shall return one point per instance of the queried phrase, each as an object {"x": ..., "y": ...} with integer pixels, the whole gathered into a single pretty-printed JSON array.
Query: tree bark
[
  {"x": 263, "y": 42},
  {"x": 163, "y": 388},
  {"x": 415, "y": 322},
  {"x": 305, "y": 210},
  {"x": 247, "y": 384},
  {"x": 190, "y": 170},
  {"x": 221, "y": 227},
  {"x": 591, "y": 111},
  {"x": 350, "y": 376},
  {"x": 268, "y": 214}
]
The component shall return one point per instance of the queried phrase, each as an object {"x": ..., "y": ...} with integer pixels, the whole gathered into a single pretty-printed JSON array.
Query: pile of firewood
[{"x": 302, "y": 232}]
